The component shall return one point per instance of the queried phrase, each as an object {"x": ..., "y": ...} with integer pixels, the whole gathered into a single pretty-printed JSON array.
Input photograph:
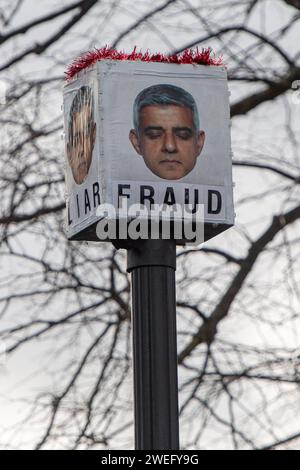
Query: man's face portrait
[
  {"x": 82, "y": 134},
  {"x": 167, "y": 135}
]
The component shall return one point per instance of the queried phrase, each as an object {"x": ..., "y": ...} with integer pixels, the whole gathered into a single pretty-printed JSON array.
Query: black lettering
[
  {"x": 149, "y": 197},
  {"x": 195, "y": 200},
  {"x": 169, "y": 196},
  {"x": 121, "y": 193},
  {"x": 69, "y": 215},
  {"x": 86, "y": 201},
  {"x": 96, "y": 194},
  {"x": 217, "y": 198},
  {"x": 78, "y": 209}
]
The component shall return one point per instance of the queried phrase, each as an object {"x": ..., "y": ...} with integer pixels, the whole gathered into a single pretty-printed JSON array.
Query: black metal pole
[{"x": 152, "y": 264}]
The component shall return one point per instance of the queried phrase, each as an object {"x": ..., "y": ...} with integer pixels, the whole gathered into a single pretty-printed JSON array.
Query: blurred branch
[
  {"x": 141, "y": 20},
  {"x": 208, "y": 329},
  {"x": 239, "y": 28},
  {"x": 58, "y": 399},
  {"x": 39, "y": 48},
  {"x": 271, "y": 92},
  {"x": 44, "y": 19},
  {"x": 264, "y": 166},
  {"x": 280, "y": 442},
  {"x": 215, "y": 251},
  {"x": 293, "y": 3},
  {"x": 17, "y": 218}
]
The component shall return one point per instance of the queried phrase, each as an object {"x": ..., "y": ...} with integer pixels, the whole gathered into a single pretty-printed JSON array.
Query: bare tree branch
[
  {"x": 262, "y": 166},
  {"x": 293, "y": 3},
  {"x": 276, "y": 89},
  {"x": 142, "y": 20},
  {"x": 26, "y": 27},
  {"x": 280, "y": 442},
  {"x": 15, "y": 218},
  {"x": 208, "y": 329},
  {"x": 39, "y": 48}
]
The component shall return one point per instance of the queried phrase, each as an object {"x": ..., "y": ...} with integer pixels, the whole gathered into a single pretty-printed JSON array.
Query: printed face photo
[
  {"x": 166, "y": 132},
  {"x": 82, "y": 134}
]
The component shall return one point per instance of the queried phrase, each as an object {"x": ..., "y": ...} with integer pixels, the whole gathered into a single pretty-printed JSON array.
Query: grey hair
[
  {"x": 83, "y": 97},
  {"x": 164, "y": 94}
]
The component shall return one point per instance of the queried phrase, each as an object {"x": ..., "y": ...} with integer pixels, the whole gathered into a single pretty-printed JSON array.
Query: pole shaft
[{"x": 154, "y": 345}]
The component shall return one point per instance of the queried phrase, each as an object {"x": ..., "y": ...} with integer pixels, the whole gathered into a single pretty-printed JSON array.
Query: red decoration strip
[{"x": 189, "y": 56}]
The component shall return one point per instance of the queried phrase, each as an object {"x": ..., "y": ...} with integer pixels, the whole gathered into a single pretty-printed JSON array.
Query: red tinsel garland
[{"x": 189, "y": 56}]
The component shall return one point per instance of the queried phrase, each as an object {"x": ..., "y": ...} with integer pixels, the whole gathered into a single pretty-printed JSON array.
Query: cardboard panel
[{"x": 149, "y": 134}]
